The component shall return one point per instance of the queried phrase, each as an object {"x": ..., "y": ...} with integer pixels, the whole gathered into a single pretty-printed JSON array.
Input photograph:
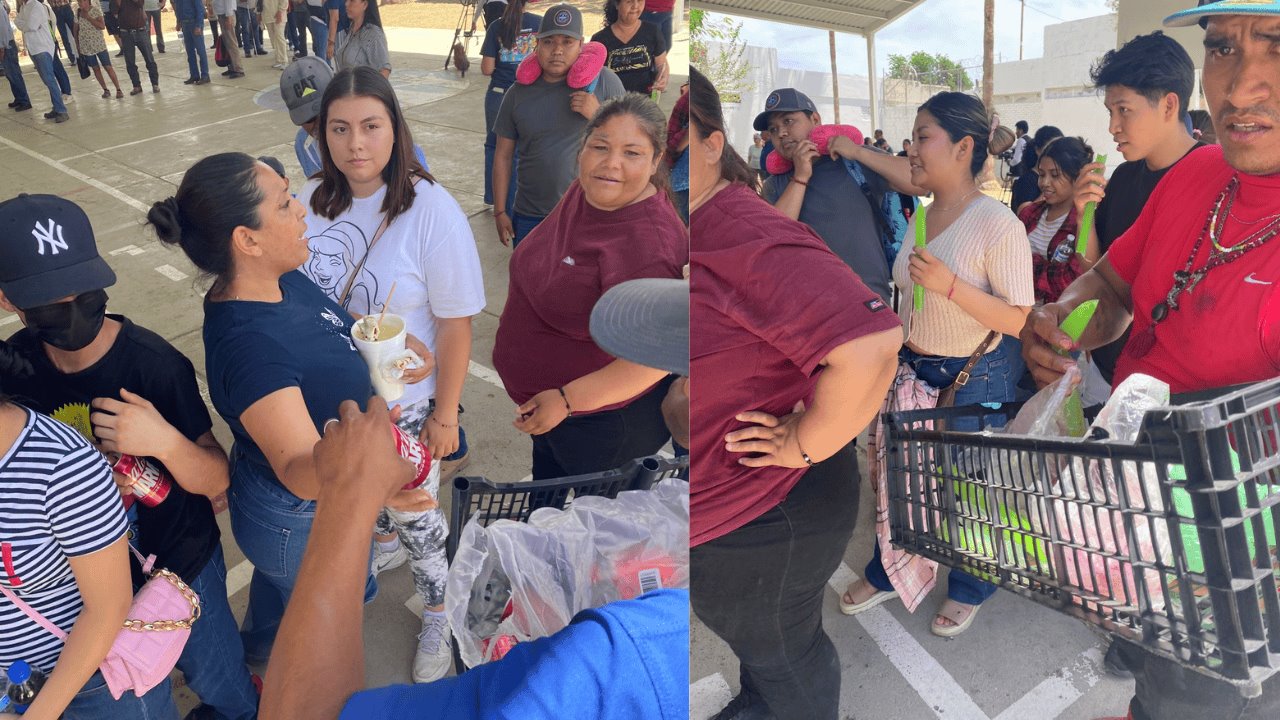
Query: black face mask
[{"x": 69, "y": 325}]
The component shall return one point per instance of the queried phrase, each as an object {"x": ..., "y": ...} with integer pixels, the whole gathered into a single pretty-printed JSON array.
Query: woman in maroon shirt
[
  {"x": 790, "y": 357},
  {"x": 585, "y": 410}
]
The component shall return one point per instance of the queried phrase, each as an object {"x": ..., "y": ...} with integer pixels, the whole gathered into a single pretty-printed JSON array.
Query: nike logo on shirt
[{"x": 1255, "y": 281}]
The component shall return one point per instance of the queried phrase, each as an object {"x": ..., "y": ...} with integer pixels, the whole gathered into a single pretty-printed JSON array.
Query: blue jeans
[
  {"x": 154, "y": 24},
  {"x": 139, "y": 41},
  {"x": 991, "y": 380},
  {"x": 319, "y": 27},
  {"x": 663, "y": 21},
  {"x": 213, "y": 660},
  {"x": 523, "y": 225},
  {"x": 271, "y": 525},
  {"x": 493, "y": 101},
  {"x": 45, "y": 65},
  {"x": 197, "y": 56},
  {"x": 13, "y": 73},
  {"x": 247, "y": 23},
  {"x": 94, "y": 702},
  {"x": 64, "y": 17}
]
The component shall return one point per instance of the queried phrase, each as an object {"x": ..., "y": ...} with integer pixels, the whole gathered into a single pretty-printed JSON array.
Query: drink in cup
[
  {"x": 150, "y": 484},
  {"x": 380, "y": 345}
]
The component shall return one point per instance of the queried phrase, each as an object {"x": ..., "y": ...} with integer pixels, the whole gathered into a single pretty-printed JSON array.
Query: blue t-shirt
[
  {"x": 628, "y": 660},
  {"x": 344, "y": 22},
  {"x": 504, "y": 71},
  {"x": 253, "y": 349},
  {"x": 308, "y": 152}
]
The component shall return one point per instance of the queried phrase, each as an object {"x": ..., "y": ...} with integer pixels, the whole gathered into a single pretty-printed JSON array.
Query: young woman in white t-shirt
[
  {"x": 976, "y": 270},
  {"x": 428, "y": 253},
  {"x": 62, "y": 540}
]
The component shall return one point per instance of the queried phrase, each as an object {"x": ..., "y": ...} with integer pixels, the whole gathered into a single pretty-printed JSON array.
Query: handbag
[
  {"x": 947, "y": 397},
  {"x": 83, "y": 67},
  {"x": 147, "y": 648},
  {"x": 220, "y": 56}
]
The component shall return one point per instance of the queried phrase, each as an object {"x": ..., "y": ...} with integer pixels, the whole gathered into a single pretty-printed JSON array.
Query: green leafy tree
[
  {"x": 930, "y": 69},
  {"x": 723, "y": 65}
]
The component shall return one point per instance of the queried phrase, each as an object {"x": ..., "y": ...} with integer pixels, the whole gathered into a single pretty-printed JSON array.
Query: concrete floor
[{"x": 115, "y": 157}]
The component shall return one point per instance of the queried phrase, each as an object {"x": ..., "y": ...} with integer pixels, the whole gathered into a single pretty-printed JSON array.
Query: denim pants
[
  {"x": 94, "y": 702},
  {"x": 213, "y": 659},
  {"x": 13, "y": 73},
  {"x": 154, "y": 22},
  {"x": 197, "y": 56},
  {"x": 663, "y": 21},
  {"x": 271, "y": 525},
  {"x": 301, "y": 20},
  {"x": 991, "y": 380},
  {"x": 760, "y": 588},
  {"x": 492, "y": 101},
  {"x": 1164, "y": 690},
  {"x": 139, "y": 40},
  {"x": 247, "y": 23},
  {"x": 604, "y": 440},
  {"x": 45, "y": 65},
  {"x": 65, "y": 19},
  {"x": 319, "y": 27},
  {"x": 523, "y": 225}
]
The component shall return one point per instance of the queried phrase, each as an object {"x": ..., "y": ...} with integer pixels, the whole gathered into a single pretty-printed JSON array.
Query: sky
[{"x": 952, "y": 27}]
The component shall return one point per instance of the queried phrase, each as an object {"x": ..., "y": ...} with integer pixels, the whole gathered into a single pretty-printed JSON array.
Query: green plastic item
[
  {"x": 1182, "y": 506},
  {"x": 1086, "y": 222},
  {"x": 982, "y": 536},
  {"x": 917, "y": 298},
  {"x": 1074, "y": 327}
]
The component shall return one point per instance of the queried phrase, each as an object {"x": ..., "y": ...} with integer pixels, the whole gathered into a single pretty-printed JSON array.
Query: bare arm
[
  {"x": 618, "y": 381},
  {"x": 453, "y": 355},
  {"x": 849, "y": 392},
  {"x": 311, "y": 674},
  {"x": 105, "y": 587},
  {"x": 660, "y": 80},
  {"x": 487, "y": 65},
  {"x": 503, "y": 155},
  {"x": 280, "y": 425},
  {"x": 791, "y": 200},
  {"x": 896, "y": 170},
  {"x": 133, "y": 426},
  {"x": 1041, "y": 336}
]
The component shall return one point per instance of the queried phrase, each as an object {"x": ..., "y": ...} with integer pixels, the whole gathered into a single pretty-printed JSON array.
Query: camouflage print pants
[{"x": 423, "y": 533}]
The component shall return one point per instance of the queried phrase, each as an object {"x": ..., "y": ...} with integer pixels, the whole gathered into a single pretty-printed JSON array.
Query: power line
[{"x": 1046, "y": 14}]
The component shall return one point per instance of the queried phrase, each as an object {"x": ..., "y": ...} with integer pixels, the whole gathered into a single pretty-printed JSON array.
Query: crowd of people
[
  {"x": 290, "y": 271},
  {"x": 795, "y": 273}
]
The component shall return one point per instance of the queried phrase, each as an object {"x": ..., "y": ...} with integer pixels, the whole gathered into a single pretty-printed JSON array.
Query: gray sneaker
[{"x": 435, "y": 649}]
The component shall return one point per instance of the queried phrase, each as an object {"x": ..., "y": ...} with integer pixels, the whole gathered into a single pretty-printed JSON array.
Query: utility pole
[
  {"x": 1022, "y": 24},
  {"x": 835, "y": 76},
  {"x": 988, "y": 48}
]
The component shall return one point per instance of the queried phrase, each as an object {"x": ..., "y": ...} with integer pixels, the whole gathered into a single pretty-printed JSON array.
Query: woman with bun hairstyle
[
  {"x": 976, "y": 273},
  {"x": 279, "y": 360},
  {"x": 63, "y": 537},
  {"x": 1052, "y": 220}
]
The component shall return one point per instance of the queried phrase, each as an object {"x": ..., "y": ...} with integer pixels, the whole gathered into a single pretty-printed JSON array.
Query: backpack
[{"x": 886, "y": 208}]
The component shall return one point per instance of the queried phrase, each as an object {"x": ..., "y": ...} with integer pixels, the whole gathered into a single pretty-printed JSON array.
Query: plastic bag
[{"x": 512, "y": 582}]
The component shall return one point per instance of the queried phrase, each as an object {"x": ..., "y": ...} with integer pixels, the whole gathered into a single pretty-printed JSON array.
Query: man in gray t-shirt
[{"x": 541, "y": 126}]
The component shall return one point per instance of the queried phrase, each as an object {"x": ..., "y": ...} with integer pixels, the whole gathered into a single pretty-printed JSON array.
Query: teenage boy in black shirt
[
  {"x": 128, "y": 391},
  {"x": 1148, "y": 84}
]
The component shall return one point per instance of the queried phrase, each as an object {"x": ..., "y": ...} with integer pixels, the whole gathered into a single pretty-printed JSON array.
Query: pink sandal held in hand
[
  {"x": 582, "y": 75},
  {"x": 821, "y": 136}
]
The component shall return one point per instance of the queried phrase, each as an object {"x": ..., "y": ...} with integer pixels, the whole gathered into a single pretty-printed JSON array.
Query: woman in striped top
[
  {"x": 62, "y": 542},
  {"x": 977, "y": 271}
]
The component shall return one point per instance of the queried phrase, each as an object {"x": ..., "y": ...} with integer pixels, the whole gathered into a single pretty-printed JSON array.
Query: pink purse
[{"x": 148, "y": 646}]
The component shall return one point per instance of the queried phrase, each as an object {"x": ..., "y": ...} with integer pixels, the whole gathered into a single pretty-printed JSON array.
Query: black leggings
[{"x": 602, "y": 441}]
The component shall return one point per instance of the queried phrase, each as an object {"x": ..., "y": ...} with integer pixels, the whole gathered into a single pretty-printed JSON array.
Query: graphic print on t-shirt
[
  {"x": 632, "y": 57},
  {"x": 335, "y": 253},
  {"x": 521, "y": 48},
  {"x": 77, "y": 416},
  {"x": 334, "y": 326}
]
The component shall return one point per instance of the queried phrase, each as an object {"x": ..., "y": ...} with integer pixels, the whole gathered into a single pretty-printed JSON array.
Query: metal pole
[
  {"x": 871, "y": 82},
  {"x": 1022, "y": 23},
  {"x": 835, "y": 76}
]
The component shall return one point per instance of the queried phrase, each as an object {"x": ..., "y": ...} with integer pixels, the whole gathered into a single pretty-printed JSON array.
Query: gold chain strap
[{"x": 169, "y": 625}]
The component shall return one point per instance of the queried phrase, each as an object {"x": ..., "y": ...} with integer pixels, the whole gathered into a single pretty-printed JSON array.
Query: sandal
[
  {"x": 849, "y": 607},
  {"x": 119, "y": 93},
  {"x": 962, "y": 614},
  {"x": 106, "y": 93}
]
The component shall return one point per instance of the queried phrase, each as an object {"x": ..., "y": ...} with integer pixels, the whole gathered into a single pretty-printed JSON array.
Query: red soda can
[
  {"x": 415, "y": 452},
  {"x": 150, "y": 483}
]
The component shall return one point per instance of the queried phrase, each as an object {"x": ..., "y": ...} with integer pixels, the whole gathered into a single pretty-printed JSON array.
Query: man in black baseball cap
[
  {"x": 845, "y": 202},
  {"x": 128, "y": 391}
]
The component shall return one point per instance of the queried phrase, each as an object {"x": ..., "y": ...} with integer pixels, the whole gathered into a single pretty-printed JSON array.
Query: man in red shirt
[{"x": 1198, "y": 270}]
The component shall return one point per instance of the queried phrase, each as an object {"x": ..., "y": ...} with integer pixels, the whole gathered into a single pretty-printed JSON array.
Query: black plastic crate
[
  {"x": 1067, "y": 523},
  {"x": 487, "y": 501}
]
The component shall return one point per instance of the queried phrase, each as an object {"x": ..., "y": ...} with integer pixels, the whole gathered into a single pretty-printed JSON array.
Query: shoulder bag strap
[
  {"x": 31, "y": 613},
  {"x": 351, "y": 281},
  {"x": 962, "y": 378}
]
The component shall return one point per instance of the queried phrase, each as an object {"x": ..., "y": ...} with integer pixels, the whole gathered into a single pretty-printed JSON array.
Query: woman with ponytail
[
  {"x": 279, "y": 359},
  {"x": 792, "y": 354},
  {"x": 637, "y": 48},
  {"x": 507, "y": 41},
  {"x": 977, "y": 275}
]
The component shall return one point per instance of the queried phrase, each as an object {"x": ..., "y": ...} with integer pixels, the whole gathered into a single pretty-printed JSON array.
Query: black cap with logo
[
  {"x": 561, "y": 20},
  {"x": 47, "y": 251},
  {"x": 783, "y": 100}
]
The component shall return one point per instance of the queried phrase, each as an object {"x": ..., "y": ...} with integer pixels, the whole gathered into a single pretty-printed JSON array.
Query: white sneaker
[
  {"x": 435, "y": 647},
  {"x": 383, "y": 561},
  {"x": 68, "y": 99}
]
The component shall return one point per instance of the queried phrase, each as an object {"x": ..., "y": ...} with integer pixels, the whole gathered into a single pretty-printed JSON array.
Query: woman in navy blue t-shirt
[
  {"x": 279, "y": 361},
  {"x": 507, "y": 41}
]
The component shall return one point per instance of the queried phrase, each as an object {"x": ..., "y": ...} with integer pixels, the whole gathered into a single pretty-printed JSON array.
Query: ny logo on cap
[
  {"x": 562, "y": 18},
  {"x": 773, "y": 100},
  {"x": 52, "y": 236}
]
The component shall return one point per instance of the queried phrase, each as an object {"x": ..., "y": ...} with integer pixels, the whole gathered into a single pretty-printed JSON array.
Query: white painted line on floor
[
  {"x": 175, "y": 132},
  {"x": 61, "y": 167},
  {"x": 708, "y": 696},
  {"x": 238, "y": 577},
  {"x": 127, "y": 249},
  {"x": 1058, "y": 692},
  {"x": 485, "y": 374},
  {"x": 171, "y": 272},
  {"x": 935, "y": 686}
]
